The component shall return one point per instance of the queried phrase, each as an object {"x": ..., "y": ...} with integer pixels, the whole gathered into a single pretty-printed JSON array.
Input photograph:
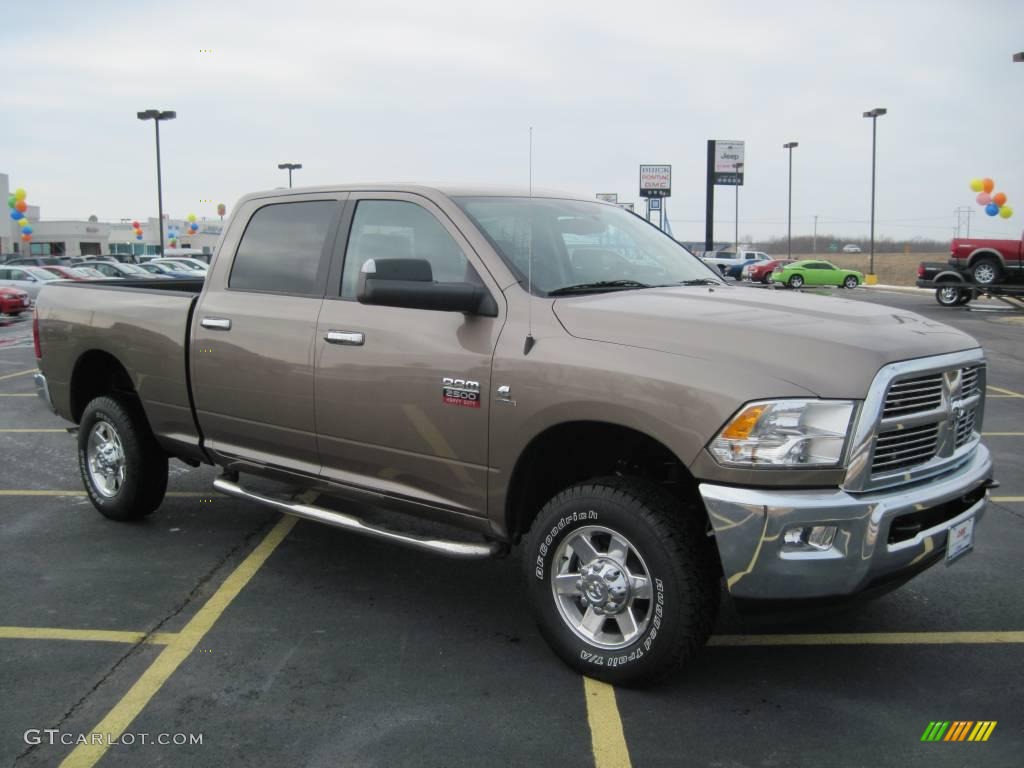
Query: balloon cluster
[
  {"x": 994, "y": 204},
  {"x": 18, "y": 206},
  {"x": 193, "y": 225},
  {"x": 221, "y": 209},
  {"x": 172, "y": 235},
  {"x": 138, "y": 230}
]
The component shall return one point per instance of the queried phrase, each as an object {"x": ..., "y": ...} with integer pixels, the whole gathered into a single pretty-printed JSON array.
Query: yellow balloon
[
  {"x": 20, "y": 194},
  {"x": 977, "y": 185},
  {"x": 23, "y": 222},
  {"x": 191, "y": 217},
  {"x": 1005, "y": 212}
]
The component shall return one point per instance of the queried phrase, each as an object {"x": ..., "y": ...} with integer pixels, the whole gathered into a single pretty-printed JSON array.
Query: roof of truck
[{"x": 427, "y": 190}]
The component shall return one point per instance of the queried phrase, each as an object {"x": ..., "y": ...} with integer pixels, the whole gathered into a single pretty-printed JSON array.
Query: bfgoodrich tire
[
  {"x": 123, "y": 468},
  {"x": 622, "y": 581}
]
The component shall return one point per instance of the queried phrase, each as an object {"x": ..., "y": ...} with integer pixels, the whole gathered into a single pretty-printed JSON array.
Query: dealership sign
[
  {"x": 655, "y": 180},
  {"x": 729, "y": 165},
  {"x": 654, "y": 204}
]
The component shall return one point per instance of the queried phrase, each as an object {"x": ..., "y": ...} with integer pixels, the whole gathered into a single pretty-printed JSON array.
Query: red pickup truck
[{"x": 988, "y": 261}]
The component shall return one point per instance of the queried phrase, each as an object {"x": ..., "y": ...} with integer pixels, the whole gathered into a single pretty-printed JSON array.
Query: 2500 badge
[{"x": 462, "y": 392}]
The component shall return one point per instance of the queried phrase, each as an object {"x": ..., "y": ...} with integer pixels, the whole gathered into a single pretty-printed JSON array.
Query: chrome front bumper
[
  {"x": 750, "y": 523},
  {"x": 43, "y": 390}
]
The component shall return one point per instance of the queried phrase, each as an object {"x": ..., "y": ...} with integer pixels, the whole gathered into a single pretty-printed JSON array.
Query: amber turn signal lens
[{"x": 741, "y": 427}]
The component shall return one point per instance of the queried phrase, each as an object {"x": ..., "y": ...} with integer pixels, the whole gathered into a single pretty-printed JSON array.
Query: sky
[{"x": 439, "y": 91}]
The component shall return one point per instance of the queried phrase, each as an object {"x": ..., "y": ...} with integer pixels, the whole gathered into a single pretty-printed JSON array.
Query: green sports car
[{"x": 813, "y": 272}]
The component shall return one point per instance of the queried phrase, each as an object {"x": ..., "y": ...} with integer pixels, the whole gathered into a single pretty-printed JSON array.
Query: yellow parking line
[
  {"x": 1006, "y": 499},
  {"x": 606, "y": 738},
  {"x": 15, "y": 375},
  {"x": 171, "y": 657},
  {"x": 872, "y": 638},
  {"x": 1002, "y": 434},
  {"x": 173, "y": 494},
  {"x": 17, "y": 394},
  {"x": 91, "y": 635},
  {"x": 1005, "y": 392}
]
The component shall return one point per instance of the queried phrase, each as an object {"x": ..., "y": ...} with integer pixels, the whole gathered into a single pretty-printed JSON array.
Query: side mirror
[{"x": 410, "y": 283}]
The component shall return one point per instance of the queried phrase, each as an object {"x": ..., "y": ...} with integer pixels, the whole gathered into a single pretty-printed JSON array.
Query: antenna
[{"x": 528, "y": 344}]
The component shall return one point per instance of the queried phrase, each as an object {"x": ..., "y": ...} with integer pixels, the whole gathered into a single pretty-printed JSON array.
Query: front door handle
[
  {"x": 350, "y": 338},
  {"x": 216, "y": 323}
]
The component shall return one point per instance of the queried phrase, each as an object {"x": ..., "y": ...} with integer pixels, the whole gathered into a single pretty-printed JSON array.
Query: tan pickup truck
[{"x": 539, "y": 370}]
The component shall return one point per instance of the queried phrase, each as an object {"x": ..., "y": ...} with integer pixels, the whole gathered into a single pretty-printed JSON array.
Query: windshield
[
  {"x": 131, "y": 269},
  {"x": 183, "y": 266},
  {"x": 42, "y": 274},
  {"x": 579, "y": 243}
]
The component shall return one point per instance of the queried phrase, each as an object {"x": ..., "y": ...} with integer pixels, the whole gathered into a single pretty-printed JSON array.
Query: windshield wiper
[
  {"x": 598, "y": 286},
  {"x": 701, "y": 281}
]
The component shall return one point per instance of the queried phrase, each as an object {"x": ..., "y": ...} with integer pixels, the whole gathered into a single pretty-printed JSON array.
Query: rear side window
[{"x": 282, "y": 248}]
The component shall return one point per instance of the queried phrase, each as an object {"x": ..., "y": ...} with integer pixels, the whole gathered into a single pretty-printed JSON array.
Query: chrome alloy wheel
[
  {"x": 984, "y": 273},
  {"x": 602, "y": 587},
  {"x": 106, "y": 460}
]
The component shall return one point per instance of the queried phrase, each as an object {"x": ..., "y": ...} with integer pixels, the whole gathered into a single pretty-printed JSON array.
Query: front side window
[
  {"x": 395, "y": 229},
  {"x": 282, "y": 248},
  {"x": 578, "y": 243}
]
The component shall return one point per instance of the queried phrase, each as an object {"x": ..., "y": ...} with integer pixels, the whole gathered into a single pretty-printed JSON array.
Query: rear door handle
[
  {"x": 216, "y": 323},
  {"x": 350, "y": 338}
]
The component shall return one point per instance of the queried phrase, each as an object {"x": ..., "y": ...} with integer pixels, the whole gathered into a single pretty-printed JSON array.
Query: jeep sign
[
  {"x": 729, "y": 155},
  {"x": 655, "y": 180}
]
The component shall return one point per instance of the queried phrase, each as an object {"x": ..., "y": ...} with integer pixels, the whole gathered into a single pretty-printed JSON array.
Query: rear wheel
[
  {"x": 850, "y": 281},
  {"x": 796, "y": 281},
  {"x": 622, "y": 581},
  {"x": 122, "y": 466},
  {"x": 986, "y": 271}
]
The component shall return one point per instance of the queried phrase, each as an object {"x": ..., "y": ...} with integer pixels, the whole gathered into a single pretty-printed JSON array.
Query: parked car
[
  {"x": 761, "y": 271},
  {"x": 164, "y": 268},
  {"x": 39, "y": 261},
  {"x": 814, "y": 272},
  {"x": 852, "y": 248},
  {"x": 14, "y": 301},
  {"x": 988, "y": 262},
  {"x": 744, "y": 260},
  {"x": 183, "y": 263},
  {"x": 28, "y": 279},
  {"x": 644, "y": 435},
  {"x": 69, "y": 273},
  {"x": 127, "y": 271},
  {"x": 95, "y": 274}
]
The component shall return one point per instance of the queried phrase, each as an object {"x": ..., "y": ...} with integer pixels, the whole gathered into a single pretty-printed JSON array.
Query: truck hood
[{"x": 832, "y": 347}]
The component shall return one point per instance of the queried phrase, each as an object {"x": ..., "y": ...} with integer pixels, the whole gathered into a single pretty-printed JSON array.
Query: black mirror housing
[{"x": 409, "y": 283}]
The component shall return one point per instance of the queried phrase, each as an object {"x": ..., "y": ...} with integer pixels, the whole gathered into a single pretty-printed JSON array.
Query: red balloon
[
  {"x": 21, "y": 205},
  {"x": 26, "y": 238},
  {"x": 135, "y": 224}
]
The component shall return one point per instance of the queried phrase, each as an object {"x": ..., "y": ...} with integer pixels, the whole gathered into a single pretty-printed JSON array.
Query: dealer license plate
[{"x": 960, "y": 540}]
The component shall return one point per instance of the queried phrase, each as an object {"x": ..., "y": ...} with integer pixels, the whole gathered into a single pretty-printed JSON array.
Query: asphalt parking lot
[{"x": 287, "y": 643}]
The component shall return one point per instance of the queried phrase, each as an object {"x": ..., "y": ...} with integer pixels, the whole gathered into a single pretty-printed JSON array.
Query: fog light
[
  {"x": 818, "y": 537},
  {"x": 821, "y": 536}
]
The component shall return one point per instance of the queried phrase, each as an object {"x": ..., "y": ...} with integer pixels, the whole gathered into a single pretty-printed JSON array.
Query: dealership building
[{"x": 97, "y": 238}]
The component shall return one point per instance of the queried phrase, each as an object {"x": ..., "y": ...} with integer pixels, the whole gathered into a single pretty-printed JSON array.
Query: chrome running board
[{"x": 456, "y": 549}]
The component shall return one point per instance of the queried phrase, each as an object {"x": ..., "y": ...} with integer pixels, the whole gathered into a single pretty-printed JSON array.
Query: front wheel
[
  {"x": 796, "y": 281},
  {"x": 622, "y": 580},
  {"x": 850, "y": 281},
  {"x": 948, "y": 295},
  {"x": 122, "y": 466}
]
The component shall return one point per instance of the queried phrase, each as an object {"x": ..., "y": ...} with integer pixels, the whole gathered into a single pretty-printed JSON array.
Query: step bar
[{"x": 456, "y": 549}]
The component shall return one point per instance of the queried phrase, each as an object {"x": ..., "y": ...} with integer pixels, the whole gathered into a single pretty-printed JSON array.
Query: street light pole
[
  {"x": 289, "y": 167},
  {"x": 736, "y": 234},
  {"x": 156, "y": 116},
  {"x": 1019, "y": 57},
  {"x": 874, "y": 114},
  {"x": 789, "y": 216}
]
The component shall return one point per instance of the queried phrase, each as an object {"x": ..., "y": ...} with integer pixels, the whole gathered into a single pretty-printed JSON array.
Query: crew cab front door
[
  {"x": 385, "y": 420},
  {"x": 253, "y": 332}
]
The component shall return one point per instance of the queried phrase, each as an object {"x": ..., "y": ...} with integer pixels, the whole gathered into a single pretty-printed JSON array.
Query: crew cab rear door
[
  {"x": 387, "y": 422},
  {"x": 252, "y": 340}
]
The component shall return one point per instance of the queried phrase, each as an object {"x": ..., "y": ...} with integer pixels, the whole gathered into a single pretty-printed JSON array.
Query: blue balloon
[
  {"x": 992, "y": 209},
  {"x": 26, "y": 230},
  {"x": 138, "y": 237},
  {"x": 15, "y": 215}
]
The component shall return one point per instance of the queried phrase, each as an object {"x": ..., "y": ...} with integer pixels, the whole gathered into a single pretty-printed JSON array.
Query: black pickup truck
[{"x": 955, "y": 288}]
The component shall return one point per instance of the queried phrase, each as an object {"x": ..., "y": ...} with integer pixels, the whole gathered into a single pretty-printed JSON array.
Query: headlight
[{"x": 785, "y": 433}]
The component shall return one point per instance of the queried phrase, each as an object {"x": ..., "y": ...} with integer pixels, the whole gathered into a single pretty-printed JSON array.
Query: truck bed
[{"x": 142, "y": 326}]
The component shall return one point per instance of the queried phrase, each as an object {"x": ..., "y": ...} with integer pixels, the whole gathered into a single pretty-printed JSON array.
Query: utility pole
[
  {"x": 789, "y": 207},
  {"x": 814, "y": 247}
]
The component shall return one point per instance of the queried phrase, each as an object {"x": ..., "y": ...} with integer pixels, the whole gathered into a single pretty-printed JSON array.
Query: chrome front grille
[
  {"x": 921, "y": 393},
  {"x": 926, "y": 418}
]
